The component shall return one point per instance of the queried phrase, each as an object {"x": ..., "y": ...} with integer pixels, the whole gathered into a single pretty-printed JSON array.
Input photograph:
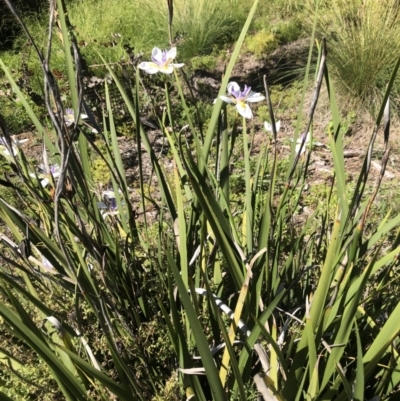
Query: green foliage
[
  {"x": 109, "y": 26},
  {"x": 286, "y": 97},
  {"x": 207, "y": 62},
  {"x": 171, "y": 391},
  {"x": 288, "y": 31},
  {"x": 100, "y": 169},
  {"x": 262, "y": 43},
  {"x": 11, "y": 107}
]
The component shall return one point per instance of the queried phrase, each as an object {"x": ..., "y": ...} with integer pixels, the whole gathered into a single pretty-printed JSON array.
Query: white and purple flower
[
  {"x": 44, "y": 173},
  {"x": 69, "y": 118},
  {"x": 108, "y": 207},
  {"x": 161, "y": 62},
  {"x": 306, "y": 138},
  {"x": 53, "y": 170},
  {"x": 268, "y": 126},
  {"x": 16, "y": 145},
  {"x": 241, "y": 98},
  {"x": 303, "y": 138}
]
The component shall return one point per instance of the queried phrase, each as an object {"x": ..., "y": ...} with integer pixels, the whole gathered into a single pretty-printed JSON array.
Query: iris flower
[
  {"x": 300, "y": 141},
  {"x": 161, "y": 62},
  {"x": 306, "y": 142},
  {"x": 69, "y": 118},
  {"x": 110, "y": 204},
  {"x": 54, "y": 170},
  {"x": 268, "y": 126},
  {"x": 15, "y": 143},
  {"x": 240, "y": 99}
]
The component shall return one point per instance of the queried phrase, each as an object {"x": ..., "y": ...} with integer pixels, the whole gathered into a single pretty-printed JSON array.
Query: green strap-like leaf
[
  {"x": 215, "y": 217},
  {"x": 106, "y": 381},
  {"x": 69, "y": 384},
  {"x": 200, "y": 338}
]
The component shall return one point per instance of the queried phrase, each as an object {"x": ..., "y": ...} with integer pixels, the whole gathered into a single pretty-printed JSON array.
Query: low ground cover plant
[{"x": 223, "y": 296}]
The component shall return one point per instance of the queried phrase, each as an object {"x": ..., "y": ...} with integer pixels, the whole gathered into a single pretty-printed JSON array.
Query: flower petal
[
  {"x": 255, "y": 97},
  {"x": 301, "y": 138},
  {"x": 244, "y": 110},
  {"x": 7, "y": 153},
  {"x": 21, "y": 141},
  {"x": 246, "y": 91},
  {"x": 268, "y": 126},
  {"x": 178, "y": 65},
  {"x": 227, "y": 99},
  {"x": 297, "y": 150},
  {"x": 171, "y": 54},
  {"x": 149, "y": 67},
  {"x": 108, "y": 194},
  {"x": 46, "y": 263},
  {"x": 69, "y": 118},
  {"x": 4, "y": 150},
  {"x": 156, "y": 54},
  {"x": 18, "y": 144},
  {"x": 167, "y": 69},
  {"x": 233, "y": 87},
  {"x": 45, "y": 182}
]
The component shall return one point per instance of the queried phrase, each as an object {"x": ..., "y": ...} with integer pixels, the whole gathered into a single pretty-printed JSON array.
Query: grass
[
  {"x": 197, "y": 26},
  {"x": 111, "y": 29},
  {"x": 364, "y": 43}
]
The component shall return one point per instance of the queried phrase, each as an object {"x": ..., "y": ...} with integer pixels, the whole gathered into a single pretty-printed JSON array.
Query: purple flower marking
[
  {"x": 238, "y": 94},
  {"x": 163, "y": 60}
]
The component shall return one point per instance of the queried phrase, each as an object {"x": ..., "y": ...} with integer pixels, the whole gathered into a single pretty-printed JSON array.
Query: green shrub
[
  {"x": 207, "y": 62},
  {"x": 288, "y": 31},
  {"x": 262, "y": 43}
]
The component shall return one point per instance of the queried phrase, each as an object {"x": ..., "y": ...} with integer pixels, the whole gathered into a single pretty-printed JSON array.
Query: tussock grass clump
[
  {"x": 205, "y": 24},
  {"x": 364, "y": 42},
  {"x": 198, "y": 25}
]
